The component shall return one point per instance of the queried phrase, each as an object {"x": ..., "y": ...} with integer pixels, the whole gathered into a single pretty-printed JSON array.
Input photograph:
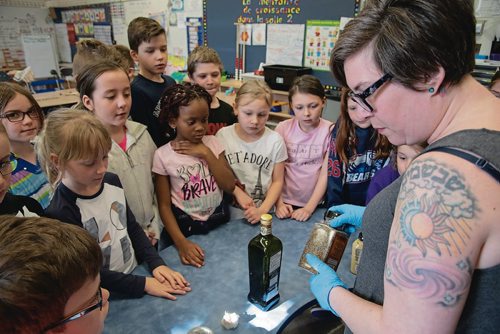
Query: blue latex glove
[
  {"x": 351, "y": 216},
  {"x": 323, "y": 282}
]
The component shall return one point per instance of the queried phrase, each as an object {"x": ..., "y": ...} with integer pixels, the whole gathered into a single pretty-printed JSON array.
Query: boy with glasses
[{"x": 49, "y": 279}]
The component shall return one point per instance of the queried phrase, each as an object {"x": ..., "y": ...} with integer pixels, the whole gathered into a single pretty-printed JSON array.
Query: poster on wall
[
  {"x": 14, "y": 22},
  {"x": 119, "y": 23},
  {"x": 177, "y": 50},
  {"x": 285, "y": 51},
  {"x": 194, "y": 26},
  {"x": 321, "y": 36},
  {"x": 259, "y": 34},
  {"x": 62, "y": 41}
]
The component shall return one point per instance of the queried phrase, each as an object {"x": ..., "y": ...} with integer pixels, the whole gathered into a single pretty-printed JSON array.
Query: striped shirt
[{"x": 29, "y": 180}]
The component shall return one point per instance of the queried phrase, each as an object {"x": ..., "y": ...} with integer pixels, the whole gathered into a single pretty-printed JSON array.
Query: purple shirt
[{"x": 380, "y": 180}]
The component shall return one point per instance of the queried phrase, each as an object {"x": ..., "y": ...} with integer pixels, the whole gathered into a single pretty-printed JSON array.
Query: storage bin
[{"x": 280, "y": 77}]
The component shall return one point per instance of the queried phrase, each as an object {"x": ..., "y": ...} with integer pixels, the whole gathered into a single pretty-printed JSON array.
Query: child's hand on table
[
  {"x": 171, "y": 277},
  {"x": 191, "y": 253},
  {"x": 301, "y": 214},
  {"x": 252, "y": 214},
  {"x": 154, "y": 287},
  {"x": 283, "y": 210}
]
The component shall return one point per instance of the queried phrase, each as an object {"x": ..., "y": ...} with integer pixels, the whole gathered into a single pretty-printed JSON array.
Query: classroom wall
[
  {"x": 491, "y": 27},
  {"x": 490, "y": 30},
  {"x": 221, "y": 30},
  {"x": 15, "y": 21}
]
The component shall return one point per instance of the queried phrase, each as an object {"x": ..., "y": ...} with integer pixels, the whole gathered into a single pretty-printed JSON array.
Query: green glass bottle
[{"x": 264, "y": 264}]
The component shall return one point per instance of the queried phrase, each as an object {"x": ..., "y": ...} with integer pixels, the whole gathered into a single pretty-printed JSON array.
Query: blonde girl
[
  {"x": 255, "y": 153},
  {"x": 73, "y": 151},
  {"x": 23, "y": 118},
  {"x": 105, "y": 91},
  {"x": 306, "y": 137}
]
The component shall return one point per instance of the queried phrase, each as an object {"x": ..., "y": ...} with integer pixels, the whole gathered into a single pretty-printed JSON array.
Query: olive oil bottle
[{"x": 264, "y": 264}]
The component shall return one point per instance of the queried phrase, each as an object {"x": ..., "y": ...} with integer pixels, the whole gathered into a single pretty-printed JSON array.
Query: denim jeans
[{"x": 189, "y": 226}]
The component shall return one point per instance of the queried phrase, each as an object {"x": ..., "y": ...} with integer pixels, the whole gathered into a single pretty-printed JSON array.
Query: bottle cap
[{"x": 266, "y": 219}]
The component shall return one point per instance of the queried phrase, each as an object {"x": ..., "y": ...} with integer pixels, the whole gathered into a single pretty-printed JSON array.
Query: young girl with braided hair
[{"x": 191, "y": 172}]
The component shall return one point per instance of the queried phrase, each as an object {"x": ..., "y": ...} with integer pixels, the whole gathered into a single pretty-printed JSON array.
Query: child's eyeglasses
[
  {"x": 361, "y": 97},
  {"x": 79, "y": 314},
  {"x": 18, "y": 116},
  {"x": 7, "y": 167}
]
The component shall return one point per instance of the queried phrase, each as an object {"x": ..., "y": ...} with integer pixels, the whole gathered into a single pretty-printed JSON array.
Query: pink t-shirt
[
  {"x": 192, "y": 187},
  {"x": 306, "y": 152}
]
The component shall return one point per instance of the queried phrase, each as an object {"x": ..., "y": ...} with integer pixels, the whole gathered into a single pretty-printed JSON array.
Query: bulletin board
[
  {"x": 183, "y": 21},
  {"x": 15, "y": 22},
  {"x": 221, "y": 16}
]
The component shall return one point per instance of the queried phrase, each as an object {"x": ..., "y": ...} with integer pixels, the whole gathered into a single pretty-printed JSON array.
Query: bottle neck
[{"x": 265, "y": 229}]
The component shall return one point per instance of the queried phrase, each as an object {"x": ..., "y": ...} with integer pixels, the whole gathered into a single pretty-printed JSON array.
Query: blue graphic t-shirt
[{"x": 348, "y": 183}]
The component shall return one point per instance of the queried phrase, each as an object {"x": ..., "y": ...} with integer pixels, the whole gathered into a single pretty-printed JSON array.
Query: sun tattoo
[
  {"x": 442, "y": 217},
  {"x": 424, "y": 226}
]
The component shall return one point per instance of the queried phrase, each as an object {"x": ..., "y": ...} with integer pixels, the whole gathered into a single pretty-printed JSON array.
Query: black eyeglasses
[
  {"x": 361, "y": 98},
  {"x": 7, "y": 167},
  {"x": 18, "y": 116},
  {"x": 79, "y": 314}
]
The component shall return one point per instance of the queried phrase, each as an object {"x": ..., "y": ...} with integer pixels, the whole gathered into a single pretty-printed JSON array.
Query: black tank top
[{"x": 481, "y": 313}]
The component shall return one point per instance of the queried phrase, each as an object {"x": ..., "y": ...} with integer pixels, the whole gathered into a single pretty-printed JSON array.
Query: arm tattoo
[{"x": 434, "y": 224}]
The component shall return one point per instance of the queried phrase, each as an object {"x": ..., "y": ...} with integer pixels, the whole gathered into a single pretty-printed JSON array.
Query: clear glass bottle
[{"x": 264, "y": 264}]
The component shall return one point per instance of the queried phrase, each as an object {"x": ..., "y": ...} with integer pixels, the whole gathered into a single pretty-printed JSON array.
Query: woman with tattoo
[{"x": 431, "y": 257}]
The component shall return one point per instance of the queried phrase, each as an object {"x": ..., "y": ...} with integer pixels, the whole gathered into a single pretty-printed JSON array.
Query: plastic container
[{"x": 280, "y": 77}]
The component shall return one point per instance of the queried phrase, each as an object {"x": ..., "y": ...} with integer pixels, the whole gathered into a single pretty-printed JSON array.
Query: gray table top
[{"x": 222, "y": 284}]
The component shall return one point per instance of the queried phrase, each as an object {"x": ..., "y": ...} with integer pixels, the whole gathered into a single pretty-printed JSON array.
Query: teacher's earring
[{"x": 431, "y": 90}]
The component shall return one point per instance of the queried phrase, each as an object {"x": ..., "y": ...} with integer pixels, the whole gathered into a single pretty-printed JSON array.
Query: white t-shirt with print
[{"x": 253, "y": 163}]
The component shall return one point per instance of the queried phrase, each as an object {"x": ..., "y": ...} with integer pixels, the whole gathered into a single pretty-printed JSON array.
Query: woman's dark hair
[
  {"x": 411, "y": 39},
  {"x": 176, "y": 96}
]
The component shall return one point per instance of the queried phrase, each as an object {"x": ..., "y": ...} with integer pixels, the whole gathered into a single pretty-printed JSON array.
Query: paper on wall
[
  {"x": 62, "y": 41},
  {"x": 259, "y": 34},
  {"x": 285, "y": 51},
  {"x": 487, "y": 8}
]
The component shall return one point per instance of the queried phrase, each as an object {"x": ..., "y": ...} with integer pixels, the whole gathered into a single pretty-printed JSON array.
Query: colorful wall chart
[{"x": 321, "y": 36}]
